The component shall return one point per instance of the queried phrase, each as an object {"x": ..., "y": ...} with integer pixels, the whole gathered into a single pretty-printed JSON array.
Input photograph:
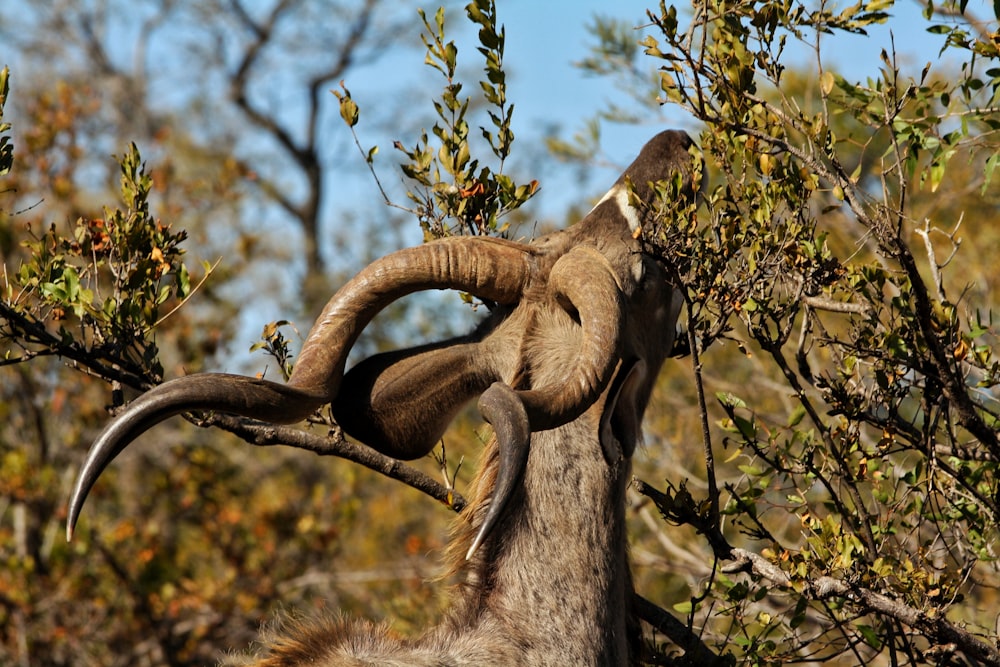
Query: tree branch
[
  {"x": 344, "y": 59},
  {"x": 695, "y": 650},
  {"x": 931, "y": 622},
  {"x": 240, "y": 81},
  {"x": 820, "y": 303},
  {"x": 26, "y": 330},
  {"x": 261, "y": 434}
]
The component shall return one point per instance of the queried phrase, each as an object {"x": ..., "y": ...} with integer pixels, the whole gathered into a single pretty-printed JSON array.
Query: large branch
[
  {"x": 304, "y": 154},
  {"x": 931, "y": 623},
  {"x": 261, "y": 434},
  {"x": 696, "y": 652}
]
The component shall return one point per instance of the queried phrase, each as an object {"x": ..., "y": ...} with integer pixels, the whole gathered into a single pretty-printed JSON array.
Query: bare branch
[
  {"x": 241, "y": 78},
  {"x": 345, "y": 57},
  {"x": 260, "y": 434},
  {"x": 695, "y": 650},
  {"x": 820, "y": 303}
]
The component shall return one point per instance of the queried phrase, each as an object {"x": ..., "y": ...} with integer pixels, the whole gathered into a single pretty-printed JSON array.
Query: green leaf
[
  {"x": 870, "y": 636},
  {"x": 797, "y": 414},
  {"x": 730, "y": 400},
  {"x": 746, "y": 427},
  {"x": 988, "y": 169},
  {"x": 183, "y": 282},
  {"x": 683, "y": 607},
  {"x": 349, "y": 109},
  {"x": 826, "y": 82}
]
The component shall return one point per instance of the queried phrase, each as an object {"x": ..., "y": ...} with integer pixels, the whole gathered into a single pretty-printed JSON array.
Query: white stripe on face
[{"x": 619, "y": 194}]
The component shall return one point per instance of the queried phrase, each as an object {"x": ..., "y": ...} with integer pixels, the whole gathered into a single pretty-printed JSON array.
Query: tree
[
  {"x": 854, "y": 519},
  {"x": 260, "y": 105}
]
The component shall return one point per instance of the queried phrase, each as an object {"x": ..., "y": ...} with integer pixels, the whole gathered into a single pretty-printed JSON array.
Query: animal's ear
[{"x": 621, "y": 421}]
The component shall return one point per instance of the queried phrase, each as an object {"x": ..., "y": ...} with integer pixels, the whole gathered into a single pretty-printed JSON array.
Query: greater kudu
[{"x": 581, "y": 323}]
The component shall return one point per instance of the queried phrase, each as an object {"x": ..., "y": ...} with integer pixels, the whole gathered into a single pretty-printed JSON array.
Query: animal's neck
[
  {"x": 552, "y": 586},
  {"x": 561, "y": 554}
]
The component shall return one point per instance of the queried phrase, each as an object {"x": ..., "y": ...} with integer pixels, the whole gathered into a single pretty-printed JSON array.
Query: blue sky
[{"x": 545, "y": 39}]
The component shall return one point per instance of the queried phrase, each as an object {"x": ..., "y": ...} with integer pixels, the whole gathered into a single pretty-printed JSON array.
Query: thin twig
[
  {"x": 189, "y": 294},
  {"x": 261, "y": 434}
]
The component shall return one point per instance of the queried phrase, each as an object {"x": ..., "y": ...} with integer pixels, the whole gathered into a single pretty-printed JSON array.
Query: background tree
[
  {"x": 851, "y": 517},
  {"x": 87, "y": 285}
]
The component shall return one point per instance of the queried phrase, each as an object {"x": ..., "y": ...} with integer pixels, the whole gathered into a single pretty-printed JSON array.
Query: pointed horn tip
[
  {"x": 480, "y": 536},
  {"x": 72, "y": 516}
]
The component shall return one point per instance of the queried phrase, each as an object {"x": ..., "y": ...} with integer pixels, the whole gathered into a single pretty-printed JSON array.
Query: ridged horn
[
  {"x": 502, "y": 408},
  {"x": 490, "y": 269},
  {"x": 401, "y": 402},
  {"x": 585, "y": 285}
]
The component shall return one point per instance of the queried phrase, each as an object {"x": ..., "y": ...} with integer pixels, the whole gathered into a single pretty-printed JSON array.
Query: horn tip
[
  {"x": 72, "y": 516},
  {"x": 475, "y": 544}
]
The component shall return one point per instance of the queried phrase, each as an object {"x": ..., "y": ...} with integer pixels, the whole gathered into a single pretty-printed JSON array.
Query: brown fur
[{"x": 551, "y": 586}]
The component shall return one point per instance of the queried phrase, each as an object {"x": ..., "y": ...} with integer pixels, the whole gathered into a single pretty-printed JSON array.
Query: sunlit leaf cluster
[
  {"x": 100, "y": 288},
  {"x": 451, "y": 192},
  {"x": 847, "y": 385}
]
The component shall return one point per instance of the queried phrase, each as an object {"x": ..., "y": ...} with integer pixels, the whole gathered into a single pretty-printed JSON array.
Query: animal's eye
[
  {"x": 640, "y": 273},
  {"x": 649, "y": 274}
]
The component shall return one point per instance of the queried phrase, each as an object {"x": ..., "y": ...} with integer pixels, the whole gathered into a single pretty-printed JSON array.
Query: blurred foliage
[
  {"x": 101, "y": 287},
  {"x": 6, "y": 149},
  {"x": 188, "y": 549}
]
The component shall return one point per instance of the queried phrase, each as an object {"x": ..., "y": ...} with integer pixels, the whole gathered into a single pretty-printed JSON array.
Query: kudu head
[{"x": 616, "y": 315}]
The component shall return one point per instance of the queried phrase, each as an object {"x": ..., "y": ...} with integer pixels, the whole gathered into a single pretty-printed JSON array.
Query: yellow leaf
[
  {"x": 826, "y": 82},
  {"x": 766, "y": 162}
]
